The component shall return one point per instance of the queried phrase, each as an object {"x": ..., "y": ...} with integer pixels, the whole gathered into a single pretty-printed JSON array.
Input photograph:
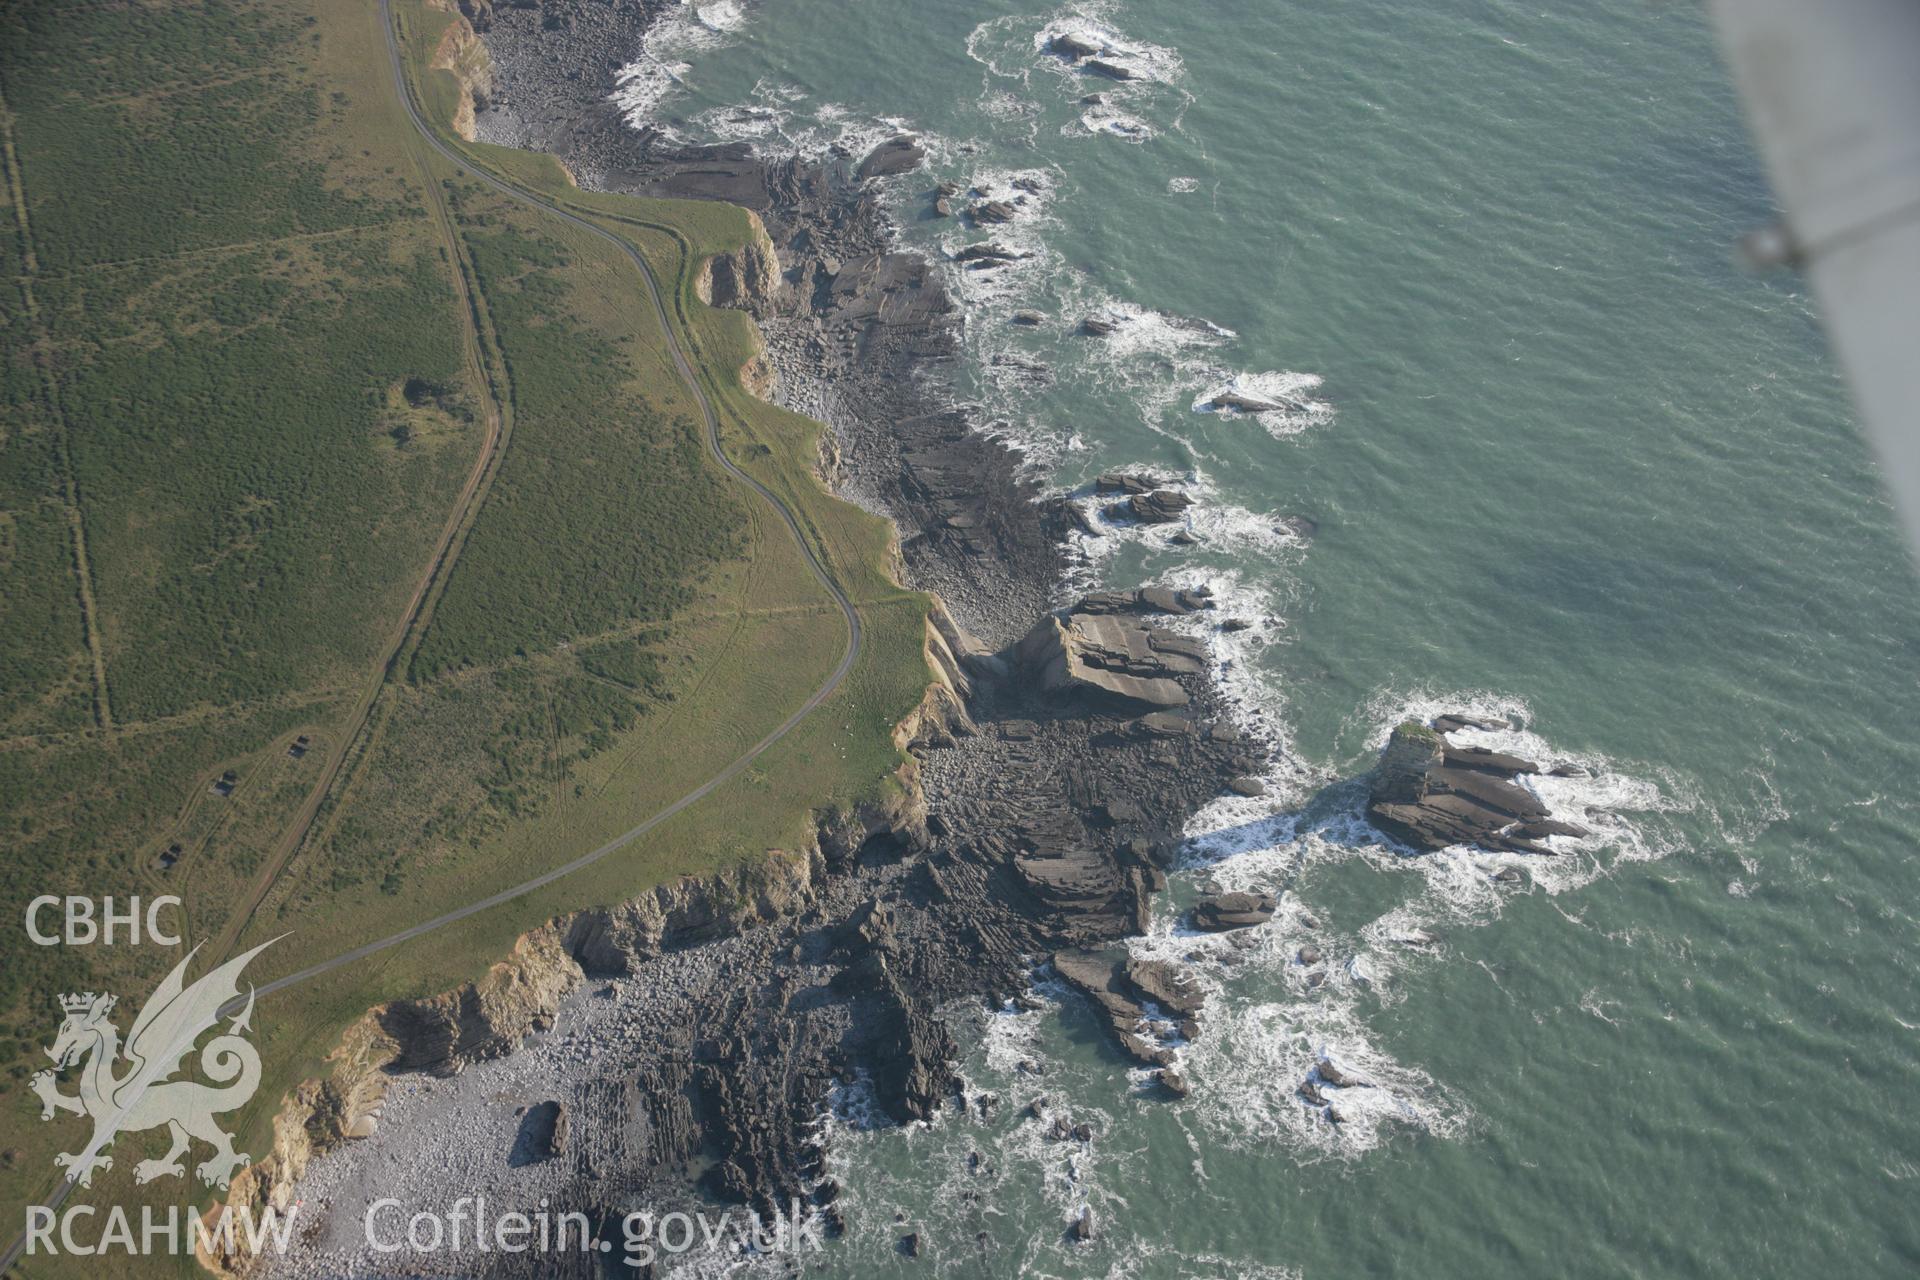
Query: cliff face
[
  {"x": 461, "y": 52},
  {"x": 489, "y": 1017},
  {"x": 611, "y": 941},
  {"x": 483, "y": 1019},
  {"x": 745, "y": 279}
]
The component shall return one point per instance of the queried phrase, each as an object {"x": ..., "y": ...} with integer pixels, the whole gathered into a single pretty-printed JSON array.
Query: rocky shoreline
[
  {"x": 691, "y": 1039},
  {"x": 681, "y": 1048},
  {"x": 860, "y": 335}
]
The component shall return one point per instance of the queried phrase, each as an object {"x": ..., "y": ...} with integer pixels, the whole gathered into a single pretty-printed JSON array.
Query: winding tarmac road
[{"x": 684, "y": 366}]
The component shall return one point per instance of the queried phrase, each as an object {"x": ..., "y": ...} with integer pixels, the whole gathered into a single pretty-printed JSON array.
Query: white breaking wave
[
  {"x": 1282, "y": 402},
  {"x": 1271, "y": 1021},
  {"x": 781, "y": 119},
  {"x": 1276, "y": 1018},
  {"x": 1101, "y": 118},
  {"x": 1120, "y": 83},
  {"x": 662, "y": 64},
  {"x": 1276, "y": 1014},
  {"x": 720, "y": 15},
  {"x": 1137, "y": 61}
]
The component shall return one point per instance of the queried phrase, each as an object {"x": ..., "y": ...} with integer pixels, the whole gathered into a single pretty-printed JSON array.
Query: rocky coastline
[
  {"x": 859, "y": 334},
  {"x": 706, "y": 1027},
  {"x": 682, "y": 1047}
]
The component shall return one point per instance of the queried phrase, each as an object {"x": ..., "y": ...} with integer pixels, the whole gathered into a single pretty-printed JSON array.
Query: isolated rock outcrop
[
  {"x": 987, "y": 251},
  {"x": 1072, "y": 47},
  {"x": 1162, "y": 506},
  {"x": 1124, "y": 482},
  {"x": 896, "y": 155},
  {"x": 1220, "y": 912},
  {"x": 1431, "y": 794}
]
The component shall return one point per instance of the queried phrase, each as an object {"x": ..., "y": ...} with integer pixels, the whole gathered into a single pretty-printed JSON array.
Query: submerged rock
[
  {"x": 987, "y": 251},
  {"x": 1302, "y": 527},
  {"x": 1239, "y": 402}
]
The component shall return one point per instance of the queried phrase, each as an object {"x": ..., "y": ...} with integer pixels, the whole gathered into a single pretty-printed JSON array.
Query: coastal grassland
[
  {"x": 244, "y": 464},
  {"x": 219, "y": 286},
  {"x": 779, "y": 448},
  {"x": 45, "y": 682},
  {"x": 607, "y": 511},
  {"x": 94, "y": 818},
  {"x": 199, "y": 462},
  {"x": 276, "y": 415},
  {"x": 230, "y": 276},
  {"x": 226, "y": 118}
]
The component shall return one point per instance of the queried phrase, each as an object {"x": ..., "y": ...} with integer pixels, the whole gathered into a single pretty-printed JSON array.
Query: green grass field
[{"x": 257, "y": 340}]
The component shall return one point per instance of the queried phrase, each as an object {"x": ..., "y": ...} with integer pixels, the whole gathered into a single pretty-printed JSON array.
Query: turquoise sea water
[{"x": 1569, "y": 466}]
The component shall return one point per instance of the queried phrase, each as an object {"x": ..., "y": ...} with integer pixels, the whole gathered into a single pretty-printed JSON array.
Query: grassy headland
[{"x": 303, "y": 432}]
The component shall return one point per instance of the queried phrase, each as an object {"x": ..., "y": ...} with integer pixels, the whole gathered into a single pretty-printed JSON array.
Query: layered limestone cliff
[
  {"x": 461, "y": 52},
  {"x": 745, "y": 279},
  {"x": 520, "y": 995}
]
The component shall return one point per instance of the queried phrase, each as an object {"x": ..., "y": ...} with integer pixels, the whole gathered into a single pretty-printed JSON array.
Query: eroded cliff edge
[
  {"x": 1051, "y": 767},
  {"x": 1037, "y": 812}
]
